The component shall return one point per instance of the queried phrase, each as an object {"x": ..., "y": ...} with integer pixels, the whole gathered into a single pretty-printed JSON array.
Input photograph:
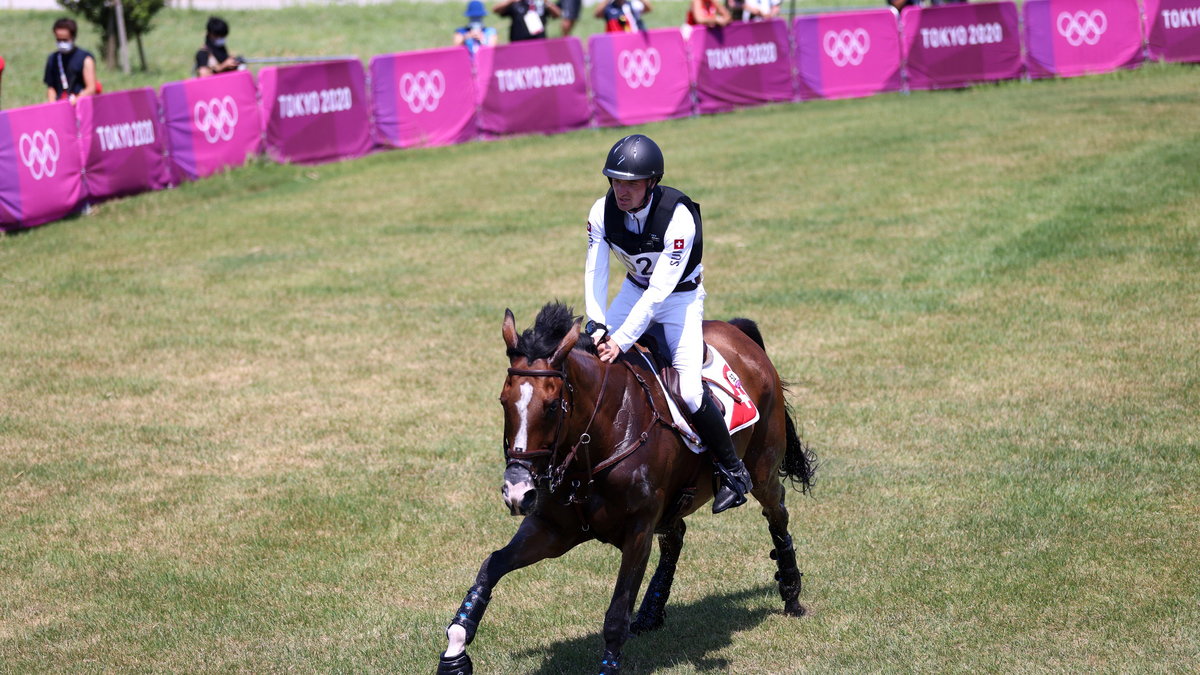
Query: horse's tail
[{"x": 799, "y": 461}]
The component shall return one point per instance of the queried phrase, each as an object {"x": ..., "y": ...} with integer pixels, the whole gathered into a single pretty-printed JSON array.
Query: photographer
[
  {"x": 213, "y": 57},
  {"x": 475, "y": 35}
]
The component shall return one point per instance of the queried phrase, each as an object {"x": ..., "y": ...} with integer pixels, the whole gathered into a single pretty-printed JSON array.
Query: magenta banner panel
[
  {"x": 122, "y": 143},
  {"x": 423, "y": 98},
  {"x": 40, "y": 165},
  {"x": 742, "y": 64},
  {"x": 957, "y": 45},
  {"x": 848, "y": 54},
  {"x": 1173, "y": 30},
  {"x": 639, "y": 77},
  {"x": 1066, "y": 38},
  {"x": 315, "y": 112},
  {"x": 535, "y": 86},
  {"x": 212, "y": 123}
]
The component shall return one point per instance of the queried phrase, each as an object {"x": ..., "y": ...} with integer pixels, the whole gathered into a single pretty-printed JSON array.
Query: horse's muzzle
[{"x": 520, "y": 493}]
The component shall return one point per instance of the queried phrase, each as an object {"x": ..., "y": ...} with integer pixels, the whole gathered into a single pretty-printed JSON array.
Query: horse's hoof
[{"x": 458, "y": 665}]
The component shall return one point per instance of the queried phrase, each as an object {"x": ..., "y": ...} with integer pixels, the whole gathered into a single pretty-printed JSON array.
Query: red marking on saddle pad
[
  {"x": 740, "y": 409},
  {"x": 744, "y": 411}
]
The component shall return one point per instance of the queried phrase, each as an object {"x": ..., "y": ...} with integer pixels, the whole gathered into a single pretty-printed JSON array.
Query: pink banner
[
  {"x": 1173, "y": 30},
  {"x": 956, "y": 45},
  {"x": 742, "y": 64},
  {"x": 848, "y": 54},
  {"x": 315, "y": 112},
  {"x": 423, "y": 98},
  {"x": 40, "y": 165},
  {"x": 122, "y": 143},
  {"x": 1066, "y": 38},
  {"x": 212, "y": 123},
  {"x": 535, "y": 86},
  {"x": 639, "y": 77}
]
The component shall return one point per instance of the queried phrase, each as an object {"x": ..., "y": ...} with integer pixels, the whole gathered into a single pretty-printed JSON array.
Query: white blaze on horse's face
[
  {"x": 521, "y": 440},
  {"x": 518, "y": 482}
]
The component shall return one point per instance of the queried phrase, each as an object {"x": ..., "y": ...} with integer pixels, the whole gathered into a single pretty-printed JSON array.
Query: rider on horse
[{"x": 656, "y": 232}]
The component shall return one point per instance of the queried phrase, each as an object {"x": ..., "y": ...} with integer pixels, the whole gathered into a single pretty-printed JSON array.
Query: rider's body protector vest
[{"x": 650, "y": 240}]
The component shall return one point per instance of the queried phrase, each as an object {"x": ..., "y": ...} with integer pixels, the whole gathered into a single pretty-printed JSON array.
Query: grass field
[{"x": 250, "y": 424}]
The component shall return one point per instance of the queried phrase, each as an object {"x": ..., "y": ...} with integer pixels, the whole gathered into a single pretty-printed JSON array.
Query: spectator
[
  {"x": 214, "y": 57},
  {"x": 70, "y": 71},
  {"x": 623, "y": 16},
  {"x": 475, "y": 35},
  {"x": 707, "y": 13},
  {"x": 528, "y": 17},
  {"x": 898, "y": 5},
  {"x": 754, "y": 10}
]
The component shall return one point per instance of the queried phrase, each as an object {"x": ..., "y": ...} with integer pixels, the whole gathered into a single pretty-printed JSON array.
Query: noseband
[{"x": 557, "y": 470}]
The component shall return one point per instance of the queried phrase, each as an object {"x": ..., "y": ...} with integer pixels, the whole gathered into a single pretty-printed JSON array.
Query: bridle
[{"x": 557, "y": 471}]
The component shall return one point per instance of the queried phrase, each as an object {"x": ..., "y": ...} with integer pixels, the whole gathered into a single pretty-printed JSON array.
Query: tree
[{"x": 103, "y": 15}]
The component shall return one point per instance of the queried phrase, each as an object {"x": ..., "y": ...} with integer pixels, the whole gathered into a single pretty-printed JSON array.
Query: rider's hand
[{"x": 608, "y": 351}]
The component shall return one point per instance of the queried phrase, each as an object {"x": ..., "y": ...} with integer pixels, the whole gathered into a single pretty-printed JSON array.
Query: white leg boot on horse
[{"x": 732, "y": 473}]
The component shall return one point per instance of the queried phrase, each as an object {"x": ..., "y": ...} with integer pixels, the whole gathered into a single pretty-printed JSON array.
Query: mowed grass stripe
[{"x": 250, "y": 423}]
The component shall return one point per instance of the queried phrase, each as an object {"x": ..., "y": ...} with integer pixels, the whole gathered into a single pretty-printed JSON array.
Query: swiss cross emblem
[
  {"x": 589, "y": 226},
  {"x": 678, "y": 244}
]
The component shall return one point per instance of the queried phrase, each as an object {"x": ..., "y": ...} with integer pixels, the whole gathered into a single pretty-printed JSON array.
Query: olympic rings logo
[
  {"x": 422, "y": 91},
  {"x": 639, "y": 67},
  {"x": 1081, "y": 27},
  {"x": 216, "y": 118},
  {"x": 847, "y": 47},
  {"x": 39, "y": 153}
]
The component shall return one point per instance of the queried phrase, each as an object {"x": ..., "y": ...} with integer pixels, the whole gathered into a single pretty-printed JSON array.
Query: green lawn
[{"x": 250, "y": 424}]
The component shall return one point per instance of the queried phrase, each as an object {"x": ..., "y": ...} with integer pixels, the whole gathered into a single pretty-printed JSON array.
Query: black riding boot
[{"x": 735, "y": 479}]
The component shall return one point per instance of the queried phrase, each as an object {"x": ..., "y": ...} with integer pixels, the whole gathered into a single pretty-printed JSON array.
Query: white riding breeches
[{"x": 682, "y": 317}]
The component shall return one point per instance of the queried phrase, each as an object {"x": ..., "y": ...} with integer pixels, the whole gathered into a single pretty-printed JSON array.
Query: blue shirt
[{"x": 471, "y": 43}]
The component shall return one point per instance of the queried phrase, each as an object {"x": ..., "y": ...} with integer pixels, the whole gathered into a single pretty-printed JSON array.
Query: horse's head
[{"x": 537, "y": 401}]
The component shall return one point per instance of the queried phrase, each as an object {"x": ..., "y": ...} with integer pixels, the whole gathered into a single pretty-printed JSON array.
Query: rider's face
[{"x": 630, "y": 193}]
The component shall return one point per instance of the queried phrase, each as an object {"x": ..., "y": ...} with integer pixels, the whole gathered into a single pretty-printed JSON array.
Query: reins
[{"x": 558, "y": 470}]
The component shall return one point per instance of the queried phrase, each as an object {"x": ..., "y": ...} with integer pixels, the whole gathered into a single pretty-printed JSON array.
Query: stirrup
[{"x": 734, "y": 486}]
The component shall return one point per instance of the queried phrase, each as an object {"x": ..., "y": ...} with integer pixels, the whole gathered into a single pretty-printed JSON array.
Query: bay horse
[{"x": 591, "y": 453}]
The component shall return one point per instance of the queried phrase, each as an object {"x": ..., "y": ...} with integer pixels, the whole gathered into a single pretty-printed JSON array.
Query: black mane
[{"x": 549, "y": 328}]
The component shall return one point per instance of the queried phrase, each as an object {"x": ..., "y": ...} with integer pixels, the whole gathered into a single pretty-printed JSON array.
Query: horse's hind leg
[
  {"x": 771, "y": 497},
  {"x": 650, "y": 615}
]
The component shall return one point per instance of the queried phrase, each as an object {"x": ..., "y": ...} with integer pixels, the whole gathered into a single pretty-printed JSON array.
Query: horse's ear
[
  {"x": 567, "y": 344},
  {"x": 510, "y": 329}
]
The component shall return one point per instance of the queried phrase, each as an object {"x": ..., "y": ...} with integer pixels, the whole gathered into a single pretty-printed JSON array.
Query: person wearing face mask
[
  {"x": 656, "y": 233},
  {"x": 70, "y": 71},
  {"x": 213, "y": 57}
]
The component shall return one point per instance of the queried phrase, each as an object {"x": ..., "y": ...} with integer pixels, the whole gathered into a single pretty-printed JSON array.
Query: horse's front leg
[
  {"x": 650, "y": 616},
  {"x": 635, "y": 553},
  {"x": 535, "y": 540}
]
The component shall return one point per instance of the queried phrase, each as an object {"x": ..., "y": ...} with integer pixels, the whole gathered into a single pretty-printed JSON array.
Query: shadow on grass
[{"x": 693, "y": 634}]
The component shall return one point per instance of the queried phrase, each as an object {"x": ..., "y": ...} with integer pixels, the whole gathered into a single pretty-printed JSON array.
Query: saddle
[{"x": 719, "y": 378}]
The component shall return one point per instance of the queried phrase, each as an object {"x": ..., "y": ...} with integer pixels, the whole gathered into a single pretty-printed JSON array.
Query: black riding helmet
[{"x": 634, "y": 157}]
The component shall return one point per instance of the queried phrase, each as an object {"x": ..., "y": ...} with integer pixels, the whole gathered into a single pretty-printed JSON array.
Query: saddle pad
[
  {"x": 726, "y": 387},
  {"x": 740, "y": 411}
]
